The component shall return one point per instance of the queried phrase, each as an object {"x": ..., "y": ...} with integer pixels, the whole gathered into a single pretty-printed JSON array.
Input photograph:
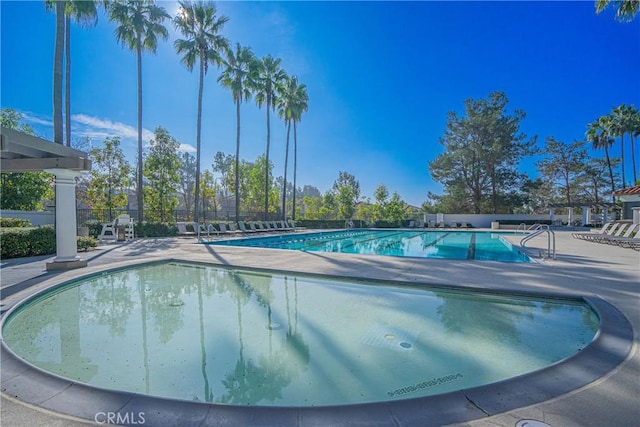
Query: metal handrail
[
  {"x": 523, "y": 225},
  {"x": 551, "y": 239}
]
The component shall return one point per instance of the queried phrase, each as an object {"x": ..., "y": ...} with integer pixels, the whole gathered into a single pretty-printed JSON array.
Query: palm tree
[
  {"x": 632, "y": 125},
  {"x": 627, "y": 9},
  {"x": 300, "y": 105},
  {"x": 239, "y": 76},
  {"x": 200, "y": 26},
  {"x": 58, "y": 54},
  {"x": 599, "y": 135},
  {"x": 84, "y": 13},
  {"x": 269, "y": 77},
  {"x": 618, "y": 127},
  {"x": 292, "y": 103},
  {"x": 140, "y": 25}
]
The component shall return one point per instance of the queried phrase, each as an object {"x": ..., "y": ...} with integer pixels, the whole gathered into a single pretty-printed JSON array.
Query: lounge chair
[
  {"x": 182, "y": 230},
  {"x": 589, "y": 236},
  {"x": 629, "y": 234},
  {"x": 602, "y": 230},
  {"x": 285, "y": 227},
  {"x": 225, "y": 230},
  {"x": 619, "y": 232},
  {"x": 244, "y": 229},
  {"x": 464, "y": 225}
]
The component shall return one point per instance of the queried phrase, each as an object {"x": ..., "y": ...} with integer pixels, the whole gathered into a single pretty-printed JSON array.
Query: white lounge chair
[
  {"x": 108, "y": 231},
  {"x": 182, "y": 230}
]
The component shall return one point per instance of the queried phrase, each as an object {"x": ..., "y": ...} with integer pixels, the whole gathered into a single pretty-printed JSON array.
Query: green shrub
[
  {"x": 86, "y": 243},
  {"x": 95, "y": 228},
  {"x": 327, "y": 223},
  {"x": 22, "y": 242},
  {"x": 155, "y": 229},
  {"x": 14, "y": 222}
]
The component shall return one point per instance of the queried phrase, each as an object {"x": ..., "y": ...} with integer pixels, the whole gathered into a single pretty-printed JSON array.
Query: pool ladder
[{"x": 538, "y": 229}]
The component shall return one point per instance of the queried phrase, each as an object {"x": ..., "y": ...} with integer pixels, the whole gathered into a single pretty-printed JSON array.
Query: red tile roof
[{"x": 628, "y": 191}]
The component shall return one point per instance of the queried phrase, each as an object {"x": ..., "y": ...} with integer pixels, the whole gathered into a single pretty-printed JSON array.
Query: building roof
[
  {"x": 629, "y": 191},
  {"x": 20, "y": 152}
]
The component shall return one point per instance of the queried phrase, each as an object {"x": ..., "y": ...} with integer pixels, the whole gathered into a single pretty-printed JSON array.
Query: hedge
[
  {"x": 24, "y": 242},
  {"x": 14, "y": 222}
]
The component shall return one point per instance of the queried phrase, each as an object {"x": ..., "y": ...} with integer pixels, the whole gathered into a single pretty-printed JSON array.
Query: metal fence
[{"x": 84, "y": 216}]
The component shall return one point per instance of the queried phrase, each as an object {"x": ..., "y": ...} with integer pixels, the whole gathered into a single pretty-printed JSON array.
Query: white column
[
  {"x": 586, "y": 215},
  {"x": 636, "y": 215},
  {"x": 66, "y": 241},
  {"x": 570, "y": 217}
]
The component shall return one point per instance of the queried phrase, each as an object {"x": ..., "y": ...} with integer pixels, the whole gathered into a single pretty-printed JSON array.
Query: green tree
[
  {"x": 209, "y": 200},
  {"x": 482, "y": 153},
  {"x": 161, "y": 169},
  {"x": 239, "y": 77},
  {"x": 312, "y": 206},
  {"x": 187, "y": 175},
  {"x": 269, "y": 78},
  {"x": 594, "y": 179},
  {"x": 329, "y": 207},
  {"x": 381, "y": 194},
  {"x": 599, "y": 135},
  {"x": 203, "y": 43},
  {"x": 139, "y": 27},
  {"x": 396, "y": 208},
  {"x": 347, "y": 194},
  {"x": 109, "y": 177},
  {"x": 224, "y": 165},
  {"x": 22, "y": 191},
  {"x": 626, "y": 9},
  {"x": 562, "y": 165}
]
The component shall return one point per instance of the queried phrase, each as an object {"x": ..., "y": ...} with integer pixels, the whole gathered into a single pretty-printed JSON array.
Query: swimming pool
[
  {"x": 472, "y": 245},
  {"x": 242, "y": 337}
]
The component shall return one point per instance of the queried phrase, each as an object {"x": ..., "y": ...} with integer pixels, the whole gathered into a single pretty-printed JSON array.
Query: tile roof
[{"x": 628, "y": 191}]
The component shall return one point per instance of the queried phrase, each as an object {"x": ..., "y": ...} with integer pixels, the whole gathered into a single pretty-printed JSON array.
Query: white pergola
[{"x": 21, "y": 152}]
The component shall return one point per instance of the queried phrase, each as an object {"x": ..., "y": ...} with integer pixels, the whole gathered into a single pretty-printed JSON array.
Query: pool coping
[{"x": 611, "y": 346}]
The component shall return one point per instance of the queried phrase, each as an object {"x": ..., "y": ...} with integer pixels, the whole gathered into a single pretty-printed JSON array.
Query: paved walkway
[{"x": 581, "y": 268}]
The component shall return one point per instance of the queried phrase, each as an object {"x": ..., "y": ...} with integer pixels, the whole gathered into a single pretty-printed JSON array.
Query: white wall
[
  {"x": 36, "y": 218},
  {"x": 485, "y": 220}
]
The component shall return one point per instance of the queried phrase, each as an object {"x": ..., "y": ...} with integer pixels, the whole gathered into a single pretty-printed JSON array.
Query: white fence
[
  {"x": 485, "y": 220},
  {"x": 37, "y": 218}
]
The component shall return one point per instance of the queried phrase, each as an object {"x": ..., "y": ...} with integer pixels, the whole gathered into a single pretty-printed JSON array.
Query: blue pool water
[{"x": 486, "y": 246}]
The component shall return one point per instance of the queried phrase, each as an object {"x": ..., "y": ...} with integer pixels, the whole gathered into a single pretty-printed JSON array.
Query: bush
[
  {"x": 14, "y": 222},
  {"x": 326, "y": 223},
  {"x": 155, "y": 229},
  {"x": 24, "y": 242},
  {"x": 95, "y": 228},
  {"x": 86, "y": 243}
]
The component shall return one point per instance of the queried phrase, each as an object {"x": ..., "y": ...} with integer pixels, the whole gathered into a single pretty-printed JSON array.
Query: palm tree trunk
[
  {"x": 237, "y": 160},
  {"x": 58, "y": 137},
  {"x": 613, "y": 186},
  {"x": 140, "y": 182},
  {"x": 67, "y": 79},
  {"x": 286, "y": 162},
  {"x": 295, "y": 166},
  {"x": 196, "y": 216},
  {"x": 624, "y": 181},
  {"x": 633, "y": 160},
  {"x": 266, "y": 166}
]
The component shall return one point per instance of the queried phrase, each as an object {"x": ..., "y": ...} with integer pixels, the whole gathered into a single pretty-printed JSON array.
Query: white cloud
[
  {"x": 95, "y": 126},
  {"x": 186, "y": 148}
]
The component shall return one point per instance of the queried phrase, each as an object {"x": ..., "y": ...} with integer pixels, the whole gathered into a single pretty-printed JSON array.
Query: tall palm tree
[
  {"x": 618, "y": 128},
  {"x": 300, "y": 105},
  {"x": 632, "y": 125},
  {"x": 139, "y": 26},
  {"x": 200, "y": 26},
  {"x": 58, "y": 57},
  {"x": 84, "y": 13},
  {"x": 239, "y": 77},
  {"x": 599, "y": 135},
  {"x": 285, "y": 102},
  {"x": 269, "y": 77}
]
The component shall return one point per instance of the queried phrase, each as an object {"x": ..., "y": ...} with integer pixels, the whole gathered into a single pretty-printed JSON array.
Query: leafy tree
[
  {"x": 381, "y": 194},
  {"x": 626, "y": 9},
  {"x": 239, "y": 77},
  {"x": 329, "y": 205},
  {"x": 482, "y": 153},
  {"x": 109, "y": 177},
  {"x": 255, "y": 185},
  {"x": 139, "y": 26},
  {"x": 599, "y": 135},
  {"x": 396, "y": 209},
  {"x": 22, "y": 191},
  {"x": 269, "y": 78},
  {"x": 562, "y": 165},
  {"x": 209, "y": 200},
  {"x": 312, "y": 206},
  {"x": 187, "y": 175},
  {"x": 161, "y": 169},
  {"x": 203, "y": 43},
  {"x": 594, "y": 179},
  {"x": 224, "y": 165}
]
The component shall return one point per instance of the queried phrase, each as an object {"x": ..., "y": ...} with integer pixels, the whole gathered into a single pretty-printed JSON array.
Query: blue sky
[{"x": 381, "y": 77}]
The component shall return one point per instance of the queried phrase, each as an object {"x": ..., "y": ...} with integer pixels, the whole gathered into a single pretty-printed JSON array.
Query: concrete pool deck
[{"x": 582, "y": 268}]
